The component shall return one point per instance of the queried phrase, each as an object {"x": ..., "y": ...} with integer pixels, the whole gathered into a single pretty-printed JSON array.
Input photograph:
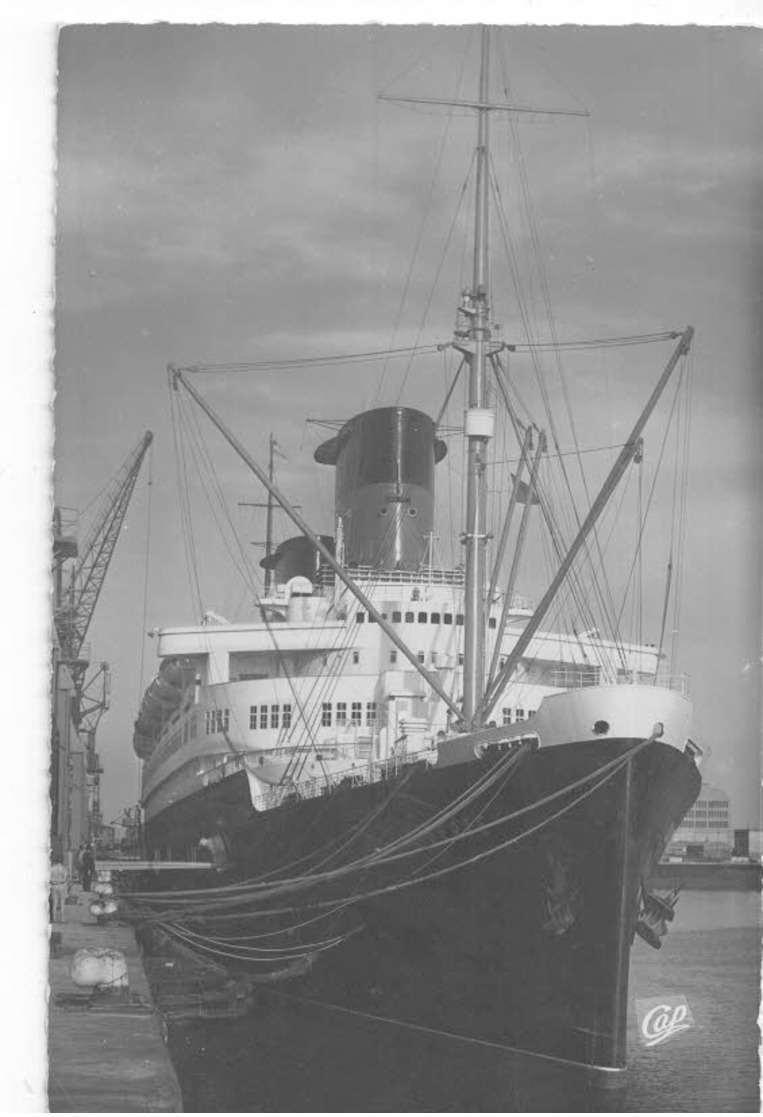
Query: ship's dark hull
[{"x": 498, "y": 984}]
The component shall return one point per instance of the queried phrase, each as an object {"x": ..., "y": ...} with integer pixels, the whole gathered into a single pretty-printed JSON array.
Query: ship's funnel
[
  {"x": 296, "y": 557},
  {"x": 384, "y": 500}
]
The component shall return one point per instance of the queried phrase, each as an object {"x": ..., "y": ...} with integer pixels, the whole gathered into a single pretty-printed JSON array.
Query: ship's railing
[
  {"x": 373, "y": 771},
  {"x": 425, "y": 576},
  {"x": 570, "y": 679}
]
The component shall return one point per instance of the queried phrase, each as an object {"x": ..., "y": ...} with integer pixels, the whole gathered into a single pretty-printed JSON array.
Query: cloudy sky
[{"x": 240, "y": 194}]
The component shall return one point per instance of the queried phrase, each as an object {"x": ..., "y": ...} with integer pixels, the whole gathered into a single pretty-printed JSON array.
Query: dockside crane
[
  {"x": 76, "y": 594},
  {"x": 76, "y": 605}
]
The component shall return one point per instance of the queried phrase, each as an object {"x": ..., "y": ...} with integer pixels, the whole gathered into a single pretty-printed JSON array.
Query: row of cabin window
[
  {"x": 510, "y": 716},
  {"x": 278, "y": 716},
  {"x": 337, "y": 715},
  {"x": 421, "y": 618},
  {"x": 273, "y": 716}
]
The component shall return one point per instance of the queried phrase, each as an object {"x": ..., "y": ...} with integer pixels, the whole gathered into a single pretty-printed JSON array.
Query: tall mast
[
  {"x": 473, "y": 339},
  {"x": 479, "y": 423},
  {"x": 269, "y": 522}
]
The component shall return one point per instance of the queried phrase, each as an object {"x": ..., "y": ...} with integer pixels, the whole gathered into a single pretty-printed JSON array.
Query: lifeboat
[{"x": 162, "y": 698}]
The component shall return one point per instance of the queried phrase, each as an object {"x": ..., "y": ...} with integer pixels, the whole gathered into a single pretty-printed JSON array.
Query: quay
[
  {"x": 708, "y": 876},
  {"x": 106, "y": 1051}
]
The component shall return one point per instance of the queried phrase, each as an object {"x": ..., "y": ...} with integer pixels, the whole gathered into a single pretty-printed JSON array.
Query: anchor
[
  {"x": 656, "y": 912},
  {"x": 562, "y": 895}
]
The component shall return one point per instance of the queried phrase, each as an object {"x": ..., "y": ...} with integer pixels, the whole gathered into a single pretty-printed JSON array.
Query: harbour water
[{"x": 710, "y": 957}]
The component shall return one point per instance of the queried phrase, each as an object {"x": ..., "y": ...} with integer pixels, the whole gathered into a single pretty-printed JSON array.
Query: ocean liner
[{"x": 433, "y": 817}]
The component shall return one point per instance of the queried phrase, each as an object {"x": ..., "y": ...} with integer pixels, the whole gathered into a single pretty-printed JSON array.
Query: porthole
[
  {"x": 413, "y": 512},
  {"x": 384, "y": 511},
  {"x": 600, "y": 728}
]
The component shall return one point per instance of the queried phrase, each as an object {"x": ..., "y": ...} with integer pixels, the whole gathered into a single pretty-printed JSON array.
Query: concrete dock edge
[{"x": 106, "y": 1053}]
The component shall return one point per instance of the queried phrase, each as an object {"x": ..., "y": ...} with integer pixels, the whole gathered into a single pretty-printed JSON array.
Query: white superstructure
[{"x": 315, "y": 692}]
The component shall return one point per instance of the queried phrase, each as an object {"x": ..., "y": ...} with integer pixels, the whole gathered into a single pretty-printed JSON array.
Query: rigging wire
[
  {"x": 643, "y": 516},
  {"x": 410, "y": 352},
  {"x": 227, "y": 896},
  {"x": 433, "y": 286},
  {"x": 145, "y": 604},
  {"x": 184, "y": 503},
  {"x": 603, "y": 590},
  {"x": 414, "y": 255},
  {"x": 569, "y": 504},
  {"x": 682, "y": 515},
  {"x": 596, "y": 780},
  {"x": 293, "y": 363},
  {"x": 144, "y": 613}
]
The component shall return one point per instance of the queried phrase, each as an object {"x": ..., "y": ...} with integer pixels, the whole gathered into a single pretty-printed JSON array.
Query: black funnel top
[{"x": 384, "y": 497}]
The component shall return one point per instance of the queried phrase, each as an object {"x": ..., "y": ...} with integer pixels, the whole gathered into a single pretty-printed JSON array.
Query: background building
[{"x": 705, "y": 833}]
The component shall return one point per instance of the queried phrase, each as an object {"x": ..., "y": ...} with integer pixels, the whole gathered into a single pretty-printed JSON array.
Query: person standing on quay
[
  {"x": 88, "y": 867},
  {"x": 59, "y": 889}
]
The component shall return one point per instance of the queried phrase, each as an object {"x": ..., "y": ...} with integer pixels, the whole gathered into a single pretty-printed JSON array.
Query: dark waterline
[{"x": 711, "y": 957}]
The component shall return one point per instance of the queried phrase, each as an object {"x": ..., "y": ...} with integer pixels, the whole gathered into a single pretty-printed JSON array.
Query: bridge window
[
  {"x": 275, "y": 716},
  {"x": 520, "y": 715},
  {"x": 435, "y": 618},
  {"x": 341, "y": 713},
  {"x": 326, "y": 715},
  {"x": 393, "y": 655},
  {"x": 460, "y": 659},
  {"x": 410, "y": 618},
  {"x": 397, "y": 617},
  {"x": 421, "y": 657},
  {"x": 360, "y": 617},
  {"x": 263, "y": 717},
  {"x": 252, "y": 717},
  {"x": 422, "y": 618},
  {"x": 356, "y": 657},
  {"x": 286, "y": 722},
  {"x": 459, "y": 618},
  {"x": 492, "y": 622},
  {"x": 370, "y": 713},
  {"x": 447, "y": 618},
  {"x": 506, "y": 715},
  {"x": 357, "y": 713}
]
